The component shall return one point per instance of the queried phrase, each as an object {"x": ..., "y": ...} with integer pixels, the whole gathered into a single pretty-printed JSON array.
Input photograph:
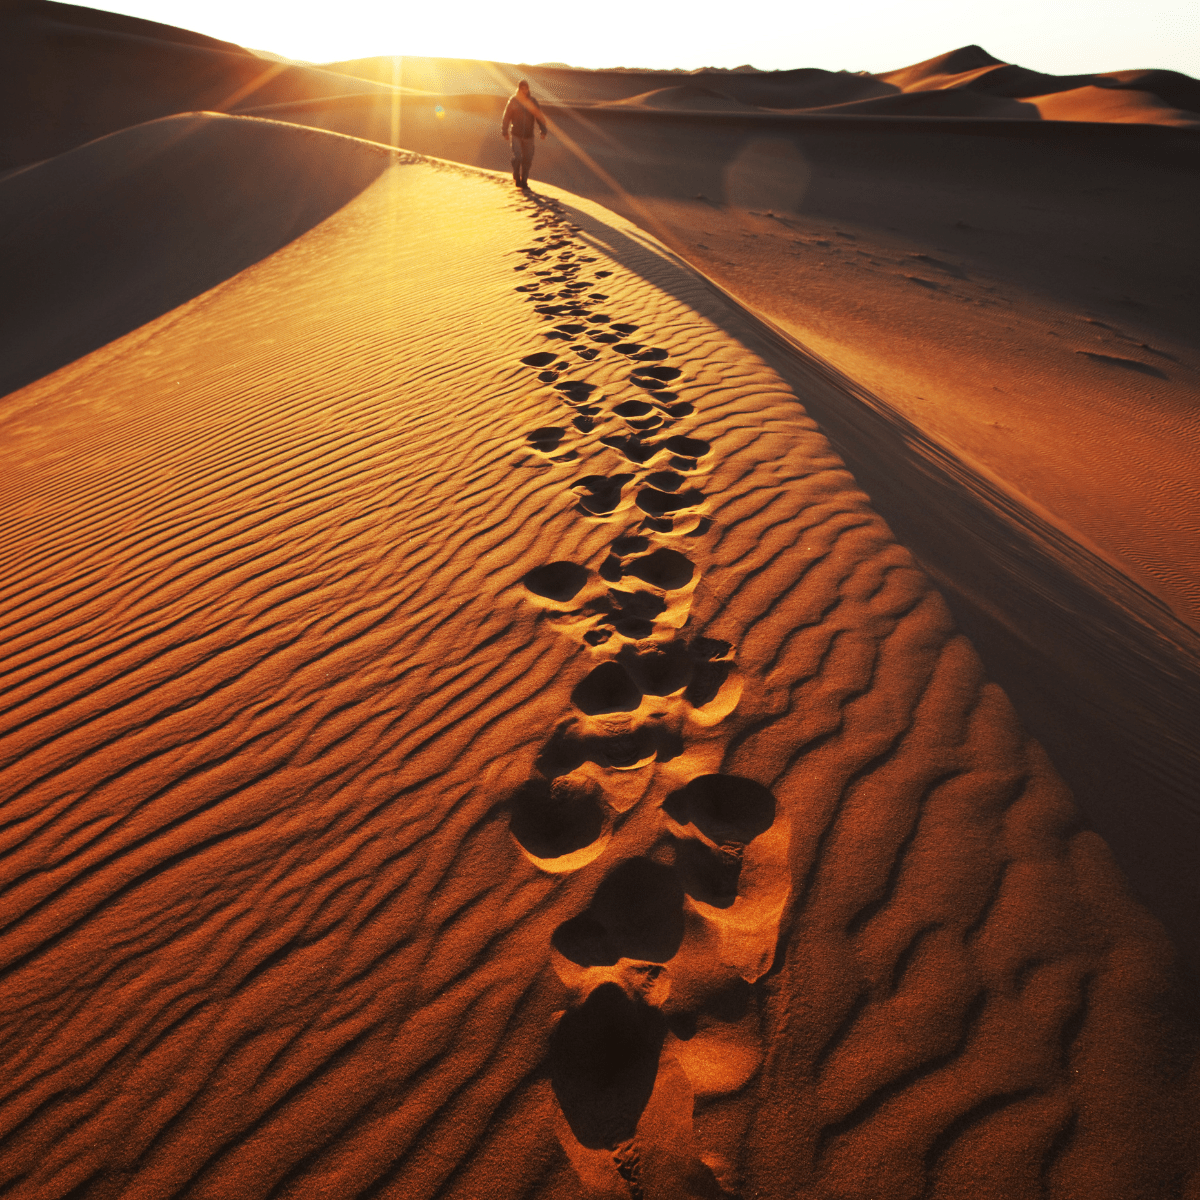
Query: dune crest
[{"x": 468, "y": 734}]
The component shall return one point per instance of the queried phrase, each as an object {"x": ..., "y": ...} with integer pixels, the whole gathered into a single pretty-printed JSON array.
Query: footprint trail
[{"x": 673, "y": 933}]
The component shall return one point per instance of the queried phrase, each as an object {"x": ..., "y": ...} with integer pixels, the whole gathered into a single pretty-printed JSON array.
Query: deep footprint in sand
[
  {"x": 661, "y": 964},
  {"x": 658, "y": 503},
  {"x": 654, "y": 377},
  {"x": 546, "y": 439},
  {"x": 600, "y": 495}
]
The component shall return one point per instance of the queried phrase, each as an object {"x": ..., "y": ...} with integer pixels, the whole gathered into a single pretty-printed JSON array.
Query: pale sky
[{"x": 1058, "y": 36}]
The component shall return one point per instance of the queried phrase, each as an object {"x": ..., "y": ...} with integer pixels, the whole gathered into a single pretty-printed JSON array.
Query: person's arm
[
  {"x": 540, "y": 118},
  {"x": 506, "y": 120}
]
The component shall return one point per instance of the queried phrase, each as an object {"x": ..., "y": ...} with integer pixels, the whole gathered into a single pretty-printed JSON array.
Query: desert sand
[{"x": 678, "y": 683}]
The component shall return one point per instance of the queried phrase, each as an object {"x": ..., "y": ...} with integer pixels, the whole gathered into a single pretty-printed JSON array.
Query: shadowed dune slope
[
  {"x": 70, "y": 74},
  {"x": 466, "y": 733},
  {"x": 686, "y": 97},
  {"x": 109, "y": 236}
]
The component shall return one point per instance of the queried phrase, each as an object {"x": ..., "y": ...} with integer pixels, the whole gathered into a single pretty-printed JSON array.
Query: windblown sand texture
[{"x": 467, "y": 733}]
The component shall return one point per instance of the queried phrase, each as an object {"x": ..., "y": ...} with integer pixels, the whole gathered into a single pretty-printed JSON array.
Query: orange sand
[{"x": 469, "y": 734}]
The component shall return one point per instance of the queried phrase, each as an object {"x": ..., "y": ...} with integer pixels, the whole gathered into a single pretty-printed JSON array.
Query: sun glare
[{"x": 1048, "y": 35}]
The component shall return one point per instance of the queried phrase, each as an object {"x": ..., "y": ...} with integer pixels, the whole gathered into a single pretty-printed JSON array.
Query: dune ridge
[
  {"x": 967, "y": 82},
  {"x": 58, "y": 89},
  {"x": 1007, "y": 307},
  {"x": 434, "y": 662}
]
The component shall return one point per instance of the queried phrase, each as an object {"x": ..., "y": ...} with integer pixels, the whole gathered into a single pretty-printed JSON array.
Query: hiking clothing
[
  {"x": 521, "y": 113},
  {"x": 522, "y": 156}
]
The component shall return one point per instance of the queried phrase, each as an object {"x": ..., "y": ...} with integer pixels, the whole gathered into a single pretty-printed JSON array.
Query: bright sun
[{"x": 874, "y": 35}]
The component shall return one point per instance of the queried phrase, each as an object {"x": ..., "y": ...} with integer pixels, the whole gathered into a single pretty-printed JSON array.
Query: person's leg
[
  {"x": 516, "y": 144},
  {"x": 526, "y": 159}
]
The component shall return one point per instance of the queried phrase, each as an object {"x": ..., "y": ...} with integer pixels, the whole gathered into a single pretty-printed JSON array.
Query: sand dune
[
  {"x": 1146, "y": 97},
  {"x": 59, "y": 88},
  {"x": 682, "y": 683},
  {"x": 70, "y": 74},
  {"x": 204, "y": 196},
  {"x": 967, "y": 82},
  {"x": 688, "y": 96},
  {"x": 469, "y": 735},
  {"x": 1011, "y": 302}
]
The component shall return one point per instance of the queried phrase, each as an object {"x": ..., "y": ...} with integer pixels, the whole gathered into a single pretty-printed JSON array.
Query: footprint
[
  {"x": 665, "y": 569},
  {"x": 623, "y": 327},
  {"x": 633, "y": 408},
  {"x": 546, "y": 439},
  {"x": 658, "y": 670},
  {"x": 654, "y": 377},
  {"x": 666, "y": 481},
  {"x": 657, "y": 504},
  {"x": 559, "y": 823},
  {"x": 603, "y": 1065},
  {"x": 728, "y": 811},
  {"x": 633, "y": 448},
  {"x": 687, "y": 447},
  {"x": 575, "y": 391},
  {"x": 557, "y": 581},
  {"x": 542, "y": 359},
  {"x": 606, "y": 689},
  {"x": 636, "y": 914},
  {"x": 584, "y": 424},
  {"x": 602, "y": 493},
  {"x": 653, "y": 355}
]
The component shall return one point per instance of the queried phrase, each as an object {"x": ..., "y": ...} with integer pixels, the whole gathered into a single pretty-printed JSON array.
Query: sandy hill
[
  {"x": 1148, "y": 97},
  {"x": 467, "y": 733},
  {"x": 679, "y": 683},
  {"x": 687, "y": 96},
  {"x": 70, "y": 74},
  {"x": 967, "y": 82}
]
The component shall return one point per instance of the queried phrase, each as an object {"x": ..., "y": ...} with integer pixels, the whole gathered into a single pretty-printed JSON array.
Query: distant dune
[
  {"x": 682, "y": 683},
  {"x": 965, "y": 82}
]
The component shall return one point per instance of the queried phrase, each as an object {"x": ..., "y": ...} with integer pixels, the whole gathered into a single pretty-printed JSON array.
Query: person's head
[{"x": 523, "y": 87}]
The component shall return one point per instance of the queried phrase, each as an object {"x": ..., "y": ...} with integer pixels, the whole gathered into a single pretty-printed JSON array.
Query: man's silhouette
[{"x": 521, "y": 113}]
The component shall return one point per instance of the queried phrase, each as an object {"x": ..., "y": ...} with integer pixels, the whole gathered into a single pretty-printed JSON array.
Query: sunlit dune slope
[
  {"x": 1013, "y": 304},
  {"x": 467, "y": 734}
]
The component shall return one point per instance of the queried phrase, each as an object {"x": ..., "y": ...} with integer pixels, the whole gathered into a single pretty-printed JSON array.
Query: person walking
[{"x": 521, "y": 113}]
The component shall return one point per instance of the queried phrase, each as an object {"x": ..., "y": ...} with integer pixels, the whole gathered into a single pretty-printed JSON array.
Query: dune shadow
[{"x": 108, "y": 236}]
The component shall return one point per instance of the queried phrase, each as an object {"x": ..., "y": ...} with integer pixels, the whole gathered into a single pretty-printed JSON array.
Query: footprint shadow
[
  {"x": 729, "y": 812},
  {"x": 552, "y": 819},
  {"x": 557, "y": 581},
  {"x": 636, "y": 914},
  {"x": 603, "y": 1064}
]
